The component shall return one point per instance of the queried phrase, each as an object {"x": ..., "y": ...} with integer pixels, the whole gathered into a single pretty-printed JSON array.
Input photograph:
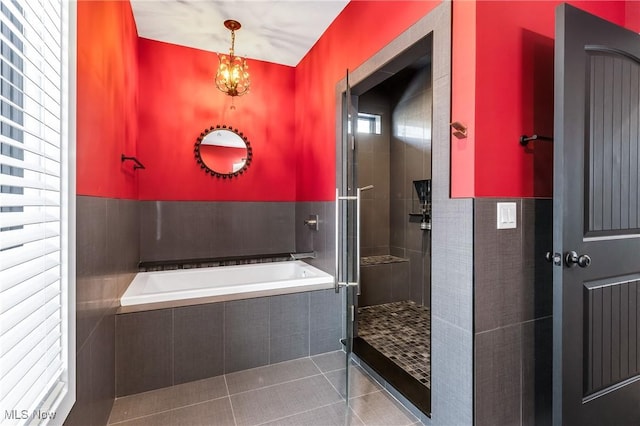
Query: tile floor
[
  {"x": 306, "y": 391},
  {"x": 402, "y": 332}
]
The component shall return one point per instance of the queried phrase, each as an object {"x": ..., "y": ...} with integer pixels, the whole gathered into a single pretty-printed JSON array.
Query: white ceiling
[{"x": 281, "y": 32}]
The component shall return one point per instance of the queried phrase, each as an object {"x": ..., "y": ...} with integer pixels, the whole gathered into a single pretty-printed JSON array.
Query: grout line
[
  {"x": 235, "y": 422},
  {"x": 167, "y": 411},
  {"x": 297, "y": 414},
  {"x": 276, "y": 384}
]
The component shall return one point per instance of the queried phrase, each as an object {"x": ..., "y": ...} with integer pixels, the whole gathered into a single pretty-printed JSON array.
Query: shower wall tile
[
  {"x": 400, "y": 281},
  {"x": 198, "y": 342},
  {"x": 246, "y": 334},
  {"x": 416, "y": 262},
  {"x": 376, "y": 284},
  {"x": 175, "y": 230}
]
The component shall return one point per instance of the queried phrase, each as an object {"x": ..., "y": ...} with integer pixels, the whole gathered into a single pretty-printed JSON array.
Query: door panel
[
  {"x": 612, "y": 153},
  {"x": 347, "y": 229},
  {"x": 596, "y": 214},
  {"x": 611, "y": 326}
]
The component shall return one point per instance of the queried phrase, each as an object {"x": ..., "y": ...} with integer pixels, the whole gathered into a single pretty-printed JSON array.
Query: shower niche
[{"x": 392, "y": 327}]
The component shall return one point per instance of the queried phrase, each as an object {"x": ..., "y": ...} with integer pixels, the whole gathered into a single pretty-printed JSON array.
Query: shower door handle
[
  {"x": 357, "y": 198},
  {"x": 337, "y": 282}
]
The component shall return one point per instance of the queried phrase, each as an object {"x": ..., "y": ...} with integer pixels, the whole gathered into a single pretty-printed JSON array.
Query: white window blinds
[{"x": 34, "y": 173}]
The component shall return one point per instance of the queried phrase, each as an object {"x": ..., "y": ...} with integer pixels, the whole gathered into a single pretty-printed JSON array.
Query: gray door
[{"x": 596, "y": 280}]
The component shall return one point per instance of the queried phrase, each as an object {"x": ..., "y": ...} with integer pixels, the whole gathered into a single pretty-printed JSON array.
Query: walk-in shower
[{"x": 393, "y": 154}]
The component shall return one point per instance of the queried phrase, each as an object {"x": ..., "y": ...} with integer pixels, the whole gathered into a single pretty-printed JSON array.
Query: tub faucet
[{"x": 303, "y": 255}]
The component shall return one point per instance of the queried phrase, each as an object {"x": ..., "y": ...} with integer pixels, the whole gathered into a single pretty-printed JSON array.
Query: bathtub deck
[{"x": 303, "y": 391}]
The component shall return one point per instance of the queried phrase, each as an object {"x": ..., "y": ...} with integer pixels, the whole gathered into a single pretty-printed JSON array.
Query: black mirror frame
[{"x": 212, "y": 172}]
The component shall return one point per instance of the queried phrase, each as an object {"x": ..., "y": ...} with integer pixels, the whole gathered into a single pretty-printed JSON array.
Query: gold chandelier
[{"x": 232, "y": 77}]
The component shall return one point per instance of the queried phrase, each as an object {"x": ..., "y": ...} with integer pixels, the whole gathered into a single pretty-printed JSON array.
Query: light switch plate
[{"x": 507, "y": 214}]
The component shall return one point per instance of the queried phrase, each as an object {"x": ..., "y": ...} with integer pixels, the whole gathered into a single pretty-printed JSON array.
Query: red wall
[
  {"x": 514, "y": 95},
  {"x": 363, "y": 28},
  {"x": 107, "y": 81},
  {"x": 178, "y": 100},
  {"x": 502, "y": 88}
]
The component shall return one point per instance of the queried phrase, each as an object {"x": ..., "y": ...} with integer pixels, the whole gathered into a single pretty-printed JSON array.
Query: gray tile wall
[
  {"x": 374, "y": 168},
  {"x": 322, "y": 241},
  {"x": 411, "y": 160},
  {"x": 513, "y": 307},
  {"x": 165, "y": 347},
  {"x": 385, "y": 283},
  {"x": 391, "y": 162},
  {"x": 107, "y": 254},
  {"x": 174, "y": 230}
]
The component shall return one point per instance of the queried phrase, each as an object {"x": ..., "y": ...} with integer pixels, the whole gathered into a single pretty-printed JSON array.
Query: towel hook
[
  {"x": 137, "y": 165},
  {"x": 524, "y": 139}
]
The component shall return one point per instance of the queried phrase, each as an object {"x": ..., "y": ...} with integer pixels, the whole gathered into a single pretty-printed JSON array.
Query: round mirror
[{"x": 223, "y": 151}]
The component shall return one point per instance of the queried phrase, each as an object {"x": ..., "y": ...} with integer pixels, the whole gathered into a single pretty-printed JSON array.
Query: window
[
  {"x": 369, "y": 123},
  {"x": 37, "y": 196}
]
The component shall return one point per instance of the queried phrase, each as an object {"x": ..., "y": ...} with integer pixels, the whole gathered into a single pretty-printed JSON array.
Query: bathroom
[
  {"x": 488, "y": 290},
  {"x": 172, "y": 212}
]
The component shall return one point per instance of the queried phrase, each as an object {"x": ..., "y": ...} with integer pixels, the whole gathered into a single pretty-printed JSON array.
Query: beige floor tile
[
  {"x": 331, "y": 415},
  {"x": 286, "y": 399},
  {"x": 379, "y": 408},
  {"x": 330, "y": 361},
  {"x": 361, "y": 383},
  {"x": 256, "y": 378},
  {"x": 211, "y": 413},
  {"x": 143, "y": 404}
]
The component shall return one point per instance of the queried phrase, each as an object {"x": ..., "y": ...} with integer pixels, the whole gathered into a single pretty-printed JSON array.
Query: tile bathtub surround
[
  {"x": 165, "y": 347},
  {"x": 302, "y": 391},
  {"x": 207, "y": 229}
]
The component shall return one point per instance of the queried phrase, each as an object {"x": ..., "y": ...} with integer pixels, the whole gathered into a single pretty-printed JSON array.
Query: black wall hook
[
  {"x": 524, "y": 139},
  {"x": 137, "y": 165}
]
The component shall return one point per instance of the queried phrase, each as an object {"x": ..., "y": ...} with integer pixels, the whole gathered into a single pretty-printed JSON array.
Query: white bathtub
[{"x": 205, "y": 285}]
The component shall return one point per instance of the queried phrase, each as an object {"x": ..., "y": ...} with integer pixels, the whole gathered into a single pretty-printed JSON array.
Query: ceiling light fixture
[{"x": 232, "y": 77}]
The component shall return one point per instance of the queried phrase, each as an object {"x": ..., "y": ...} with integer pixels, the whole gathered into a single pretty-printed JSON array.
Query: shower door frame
[{"x": 451, "y": 358}]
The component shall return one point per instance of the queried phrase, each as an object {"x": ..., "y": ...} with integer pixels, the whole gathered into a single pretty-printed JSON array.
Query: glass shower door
[{"x": 348, "y": 227}]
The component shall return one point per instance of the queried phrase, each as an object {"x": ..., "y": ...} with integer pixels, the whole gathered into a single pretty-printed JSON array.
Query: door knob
[
  {"x": 572, "y": 258},
  {"x": 555, "y": 258}
]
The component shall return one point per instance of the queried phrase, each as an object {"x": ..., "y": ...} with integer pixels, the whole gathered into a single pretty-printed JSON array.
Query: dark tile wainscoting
[
  {"x": 174, "y": 230},
  {"x": 513, "y": 308},
  {"x": 166, "y": 347},
  {"x": 107, "y": 255}
]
